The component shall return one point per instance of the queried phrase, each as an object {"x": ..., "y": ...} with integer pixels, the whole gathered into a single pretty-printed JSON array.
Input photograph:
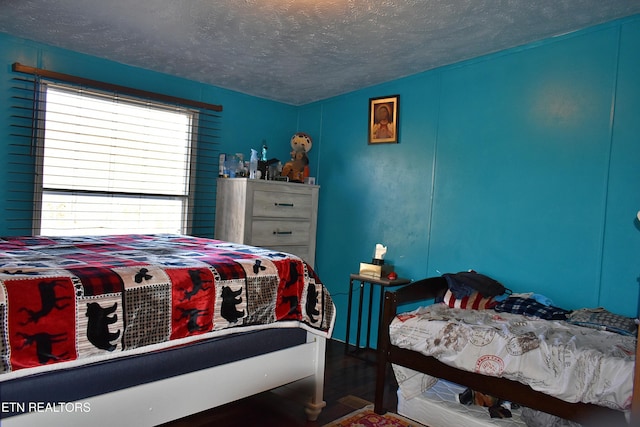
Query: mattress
[
  {"x": 438, "y": 407},
  {"x": 82, "y": 382}
]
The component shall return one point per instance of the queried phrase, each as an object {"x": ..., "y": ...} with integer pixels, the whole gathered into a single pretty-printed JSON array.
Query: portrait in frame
[{"x": 384, "y": 114}]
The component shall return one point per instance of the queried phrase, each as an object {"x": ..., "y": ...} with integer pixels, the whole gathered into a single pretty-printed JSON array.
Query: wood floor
[{"x": 348, "y": 381}]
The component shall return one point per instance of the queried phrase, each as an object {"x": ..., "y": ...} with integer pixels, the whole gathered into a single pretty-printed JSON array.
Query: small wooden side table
[{"x": 372, "y": 281}]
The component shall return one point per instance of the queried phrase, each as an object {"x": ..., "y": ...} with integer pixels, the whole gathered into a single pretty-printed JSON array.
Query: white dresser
[{"x": 277, "y": 215}]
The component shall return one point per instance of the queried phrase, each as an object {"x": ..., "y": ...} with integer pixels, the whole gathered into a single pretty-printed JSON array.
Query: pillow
[
  {"x": 599, "y": 318},
  {"x": 475, "y": 301}
]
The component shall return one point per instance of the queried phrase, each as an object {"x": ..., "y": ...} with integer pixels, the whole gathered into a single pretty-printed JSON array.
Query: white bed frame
[{"x": 176, "y": 397}]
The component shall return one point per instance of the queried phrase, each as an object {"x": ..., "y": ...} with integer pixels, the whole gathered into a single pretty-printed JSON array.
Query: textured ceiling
[{"x": 298, "y": 51}]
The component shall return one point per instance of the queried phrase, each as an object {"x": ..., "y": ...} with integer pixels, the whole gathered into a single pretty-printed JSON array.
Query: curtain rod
[{"x": 17, "y": 67}]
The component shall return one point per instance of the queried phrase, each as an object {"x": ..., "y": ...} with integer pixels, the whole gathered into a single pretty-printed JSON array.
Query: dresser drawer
[
  {"x": 271, "y": 233},
  {"x": 278, "y": 204}
]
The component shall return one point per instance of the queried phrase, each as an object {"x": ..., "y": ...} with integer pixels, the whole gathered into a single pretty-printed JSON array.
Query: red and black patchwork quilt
[{"x": 72, "y": 298}]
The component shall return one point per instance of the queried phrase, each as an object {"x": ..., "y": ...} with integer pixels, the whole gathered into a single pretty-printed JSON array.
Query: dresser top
[{"x": 270, "y": 182}]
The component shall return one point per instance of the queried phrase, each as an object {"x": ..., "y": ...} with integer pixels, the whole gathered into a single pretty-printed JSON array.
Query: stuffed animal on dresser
[{"x": 297, "y": 169}]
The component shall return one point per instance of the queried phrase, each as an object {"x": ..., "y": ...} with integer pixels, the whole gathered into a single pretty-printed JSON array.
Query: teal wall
[{"x": 523, "y": 165}]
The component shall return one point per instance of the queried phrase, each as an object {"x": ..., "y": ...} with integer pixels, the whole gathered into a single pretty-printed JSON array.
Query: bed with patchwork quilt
[
  {"x": 150, "y": 328},
  {"x": 513, "y": 349}
]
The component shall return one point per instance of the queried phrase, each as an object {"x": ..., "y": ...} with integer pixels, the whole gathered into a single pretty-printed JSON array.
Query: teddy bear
[{"x": 297, "y": 169}]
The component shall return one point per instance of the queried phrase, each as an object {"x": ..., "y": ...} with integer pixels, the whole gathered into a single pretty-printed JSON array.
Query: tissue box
[{"x": 377, "y": 271}]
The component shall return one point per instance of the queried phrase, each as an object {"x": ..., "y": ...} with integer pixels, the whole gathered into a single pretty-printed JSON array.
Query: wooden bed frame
[
  {"x": 176, "y": 397},
  {"x": 427, "y": 289}
]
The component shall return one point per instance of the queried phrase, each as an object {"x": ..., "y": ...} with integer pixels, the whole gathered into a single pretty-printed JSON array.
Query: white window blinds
[{"x": 113, "y": 165}]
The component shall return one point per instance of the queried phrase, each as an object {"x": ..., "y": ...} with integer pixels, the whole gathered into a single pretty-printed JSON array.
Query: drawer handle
[
  {"x": 288, "y": 205},
  {"x": 278, "y": 232}
]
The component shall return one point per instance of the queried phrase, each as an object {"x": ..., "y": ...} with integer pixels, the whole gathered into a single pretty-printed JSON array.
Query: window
[
  {"x": 91, "y": 157},
  {"x": 112, "y": 165}
]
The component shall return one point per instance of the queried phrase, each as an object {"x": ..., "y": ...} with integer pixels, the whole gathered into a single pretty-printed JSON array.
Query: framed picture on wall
[{"x": 384, "y": 115}]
